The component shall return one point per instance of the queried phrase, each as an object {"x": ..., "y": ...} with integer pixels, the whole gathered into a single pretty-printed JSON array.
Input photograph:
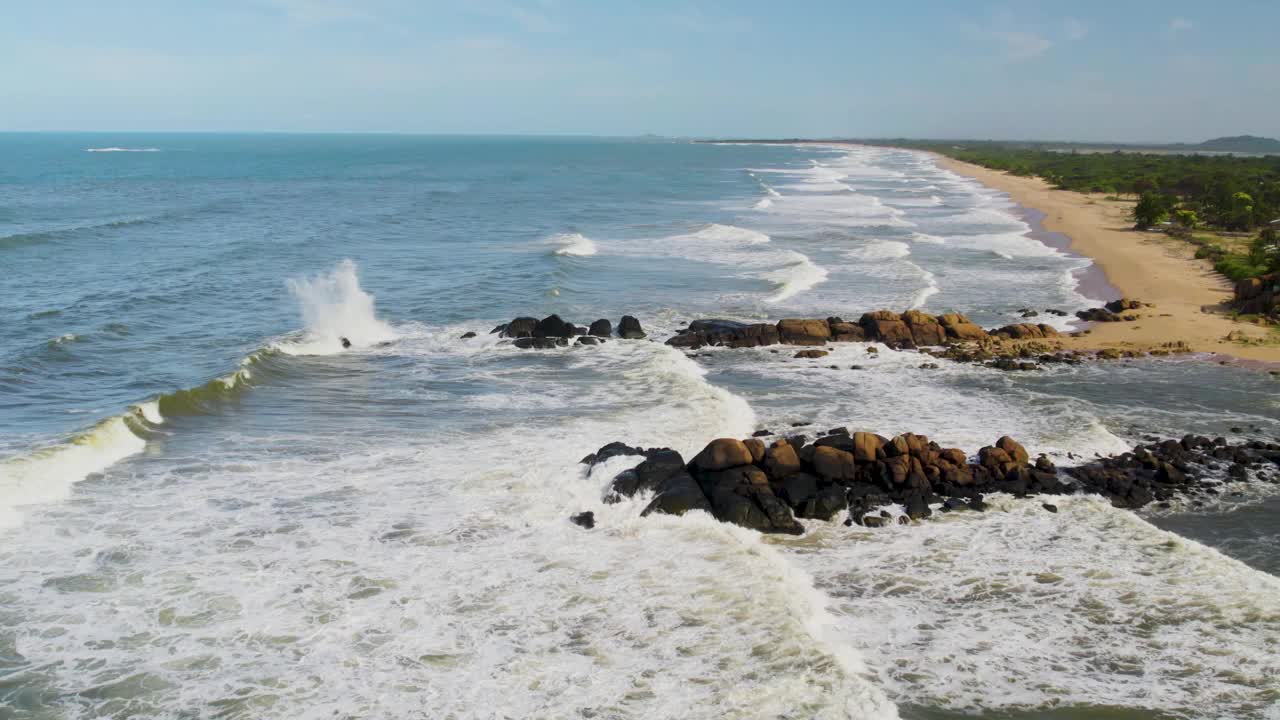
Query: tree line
[{"x": 1227, "y": 192}]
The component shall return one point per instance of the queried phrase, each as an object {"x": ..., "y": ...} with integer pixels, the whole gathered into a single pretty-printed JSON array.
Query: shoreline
[{"x": 1188, "y": 295}]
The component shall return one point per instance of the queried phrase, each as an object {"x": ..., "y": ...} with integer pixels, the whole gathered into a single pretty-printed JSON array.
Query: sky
[{"x": 1121, "y": 70}]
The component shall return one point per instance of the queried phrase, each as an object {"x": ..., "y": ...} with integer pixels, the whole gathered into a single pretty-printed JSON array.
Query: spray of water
[{"x": 333, "y": 306}]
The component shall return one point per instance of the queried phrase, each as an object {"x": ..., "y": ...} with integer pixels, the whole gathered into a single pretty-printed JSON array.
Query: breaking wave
[
  {"x": 333, "y": 307},
  {"x": 122, "y": 149},
  {"x": 800, "y": 275},
  {"x": 575, "y": 244}
]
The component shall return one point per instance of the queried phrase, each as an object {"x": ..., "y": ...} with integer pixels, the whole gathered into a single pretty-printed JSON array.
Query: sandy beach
[{"x": 1188, "y": 295}]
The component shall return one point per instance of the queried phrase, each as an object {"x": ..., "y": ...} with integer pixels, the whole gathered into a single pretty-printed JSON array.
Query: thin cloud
[
  {"x": 322, "y": 11},
  {"x": 527, "y": 18},
  {"x": 1074, "y": 29},
  {"x": 1180, "y": 24},
  {"x": 1020, "y": 45}
]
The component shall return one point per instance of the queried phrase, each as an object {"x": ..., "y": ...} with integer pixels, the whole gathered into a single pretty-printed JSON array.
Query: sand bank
[{"x": 1189, "y": 296}]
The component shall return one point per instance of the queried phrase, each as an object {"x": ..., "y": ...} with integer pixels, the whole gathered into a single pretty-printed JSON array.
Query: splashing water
[{"x": 333, "y": 307}]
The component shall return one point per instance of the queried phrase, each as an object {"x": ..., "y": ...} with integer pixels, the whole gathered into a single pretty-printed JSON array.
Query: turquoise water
[{"x": 209, "y": 508}]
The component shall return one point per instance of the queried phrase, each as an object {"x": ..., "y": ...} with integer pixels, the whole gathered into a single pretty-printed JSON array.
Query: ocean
[{"x": 210, "y": 508}]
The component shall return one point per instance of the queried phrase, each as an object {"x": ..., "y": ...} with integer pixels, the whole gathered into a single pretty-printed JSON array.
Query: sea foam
[{"x": 334, "y": 306}]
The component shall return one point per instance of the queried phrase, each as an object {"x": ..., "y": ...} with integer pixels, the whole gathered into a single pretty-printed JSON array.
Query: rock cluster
[
  {"x": 553, "y": 331},
  {"x": 1161, "y": 470},
  {"x": 1034, "y": 355},
  {"x": 770, "y": 486},
  {"x": 910, "y": 329},
  {"x": 767, "y": 487},
  {"x": 1114, "y": 311}
]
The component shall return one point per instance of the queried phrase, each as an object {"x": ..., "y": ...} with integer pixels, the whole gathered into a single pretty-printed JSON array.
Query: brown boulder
[
  {"x": 955, "y": 456},
  {"x": 723, "y": 453},
  {"x": 965, "y": 331},
  {"x": 886, "y": 327},
  {"x": 804, "y": 332},
  {"x": 756, "y": 446},
  {"x": 813, "y": 354},
  {"x": 925, "y": 329},
  {"x": 1015, "y": 451},
  {"x": 865, "y": 445},
  {"x": 993, "y": 457},
  {"x": 896, "y": 469},
  {"x": 781, "y": 461},
  {"x": 833, "y": 464},
  {"x": 847, "y": 332}
]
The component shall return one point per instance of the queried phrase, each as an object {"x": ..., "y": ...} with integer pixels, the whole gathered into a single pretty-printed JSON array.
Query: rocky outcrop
[
  {"x": 1259, "y": 295},
  {"x": 959, "y": 328},
  {"x": 553, "y": 331},
  {"x": 804, "y": 332},
  {"x": 771, "y": 487},
  {"x": 1026, "y": 331},
  {"x": 899, "y": 330},
  {"x": 1114, "y": 311}
]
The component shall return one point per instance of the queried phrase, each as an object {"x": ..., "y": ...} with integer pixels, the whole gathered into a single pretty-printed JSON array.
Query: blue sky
[{"x": 1122, "y": 70}]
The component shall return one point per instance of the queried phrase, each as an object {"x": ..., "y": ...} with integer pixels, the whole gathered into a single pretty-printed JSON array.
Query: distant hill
[{"x": 1239, "y": 144}]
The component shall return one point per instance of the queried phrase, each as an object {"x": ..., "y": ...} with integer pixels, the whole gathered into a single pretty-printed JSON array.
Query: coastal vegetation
[{"x": 1229, "y": 192}]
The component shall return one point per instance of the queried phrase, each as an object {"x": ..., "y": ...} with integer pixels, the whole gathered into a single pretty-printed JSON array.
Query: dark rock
[
  {"x": 521, "y": 327},
  {"x": 1049, "y": 507},
  {"x": 761, "y": 433},
  {"x": 796, "y": 488},
  {"x": 629, "y": 328},
  {"x": 613, "y": 450},
  {"x": 585, "y": 519},
  {"x": 648, "y": 475},
  {"x": 467, "y": 336},
  {"x": 601, "y": 328},
  {"x": 1098, "y": 315},
  {"x": 823, "y": 505},
  {"x": 677, "y": 495},
  {"x": 552, "y": 326},
  {"x": 540, "y": 343},
  {"x": 589, "y": 340}
]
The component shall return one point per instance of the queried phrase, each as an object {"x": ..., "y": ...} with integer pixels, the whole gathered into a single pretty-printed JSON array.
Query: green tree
[
  {"x": 1151, "y": 209},
  {"x": 1264, "y": 252},
  {"x": 1240, "y": 215},
  {"x": 1187, "y": 218}
]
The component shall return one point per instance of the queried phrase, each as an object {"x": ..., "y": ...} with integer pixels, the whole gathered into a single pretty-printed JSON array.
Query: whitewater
[{"x": 210, "y": 506}]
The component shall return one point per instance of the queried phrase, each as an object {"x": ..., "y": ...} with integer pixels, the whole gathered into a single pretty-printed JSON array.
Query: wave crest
[{"x": 575, "y": 244}]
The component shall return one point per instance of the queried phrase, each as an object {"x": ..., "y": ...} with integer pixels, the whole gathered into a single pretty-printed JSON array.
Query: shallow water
[{"x": 208, "y": 508}]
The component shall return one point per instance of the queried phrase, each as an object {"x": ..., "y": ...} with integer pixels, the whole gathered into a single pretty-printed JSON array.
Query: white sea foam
[
  {"x": 122, "y": 149},
  {"x": 1163, "y": 623},
  {"x": 927, "y": 238},
  {"x": 333, "y": 306},
  {"x": 798, "y": 275},
  {"x": 47, "y": 475},
  {"x": 575, "y": 244},
  {"x": 929, "y": 290},
  {"x": 763, "y": 203},
  {"x": 880, "y": 250}
]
